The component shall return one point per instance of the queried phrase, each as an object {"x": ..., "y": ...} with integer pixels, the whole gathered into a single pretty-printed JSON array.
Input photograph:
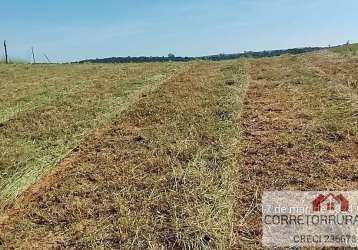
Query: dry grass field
[
  {"x": 46, "y": 110},
  {"x": 160, "y": 174},
  {"x": 170, "y": 156},
  {"x": 300, "y": 132}
]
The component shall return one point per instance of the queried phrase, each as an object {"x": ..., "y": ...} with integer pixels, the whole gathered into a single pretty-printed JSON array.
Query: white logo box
[{"x": 312, "y": 219}]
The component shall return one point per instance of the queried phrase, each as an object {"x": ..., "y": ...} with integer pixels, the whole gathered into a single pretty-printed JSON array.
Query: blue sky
[{"x": 70, "y": 30}]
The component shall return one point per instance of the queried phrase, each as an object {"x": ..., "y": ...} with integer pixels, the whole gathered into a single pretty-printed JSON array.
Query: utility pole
[
  {"x": 6, "y": 58},
  {"x": 33, "y": 55}
]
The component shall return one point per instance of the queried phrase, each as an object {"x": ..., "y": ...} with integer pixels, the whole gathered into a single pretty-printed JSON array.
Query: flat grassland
[
  {"x": 46, "y": 110},
  {"x": 162, "y": 172},
  {"x": 184, "y": 165},
  {"x": 300, "y": 132}
]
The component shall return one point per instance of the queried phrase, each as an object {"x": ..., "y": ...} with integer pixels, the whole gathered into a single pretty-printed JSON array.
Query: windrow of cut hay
[
  {"x": 300, "y": 132},
  {"x": 46, "y": 110},
  {"x": 162, "y": 175}
]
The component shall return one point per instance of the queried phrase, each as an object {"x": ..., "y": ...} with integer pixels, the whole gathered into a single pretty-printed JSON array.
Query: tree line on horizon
[{"x": 172, "y": 58}]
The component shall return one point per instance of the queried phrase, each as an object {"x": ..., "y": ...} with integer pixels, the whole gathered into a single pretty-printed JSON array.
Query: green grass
[
  {"x": 45, "y": 111},
  {"x": 350, "y": 50}
]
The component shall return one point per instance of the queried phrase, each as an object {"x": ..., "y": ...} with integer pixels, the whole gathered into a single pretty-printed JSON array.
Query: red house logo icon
[{"x": 330, "y": 203}]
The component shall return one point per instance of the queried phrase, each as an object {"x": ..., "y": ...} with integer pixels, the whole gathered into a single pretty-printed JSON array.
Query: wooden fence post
[
  {"x": 33, "y": 55},
  {"x": 6, "y": 58}
]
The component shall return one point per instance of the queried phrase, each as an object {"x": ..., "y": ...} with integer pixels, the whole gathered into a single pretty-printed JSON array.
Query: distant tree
[{"x": 171, "y": 55}]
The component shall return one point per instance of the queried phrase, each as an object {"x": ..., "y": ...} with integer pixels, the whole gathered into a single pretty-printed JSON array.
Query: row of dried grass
[
  {"x": 300, "y": 133},
  {"x": 162, "y": 176},
  {"x": 46, "y": 110}
]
